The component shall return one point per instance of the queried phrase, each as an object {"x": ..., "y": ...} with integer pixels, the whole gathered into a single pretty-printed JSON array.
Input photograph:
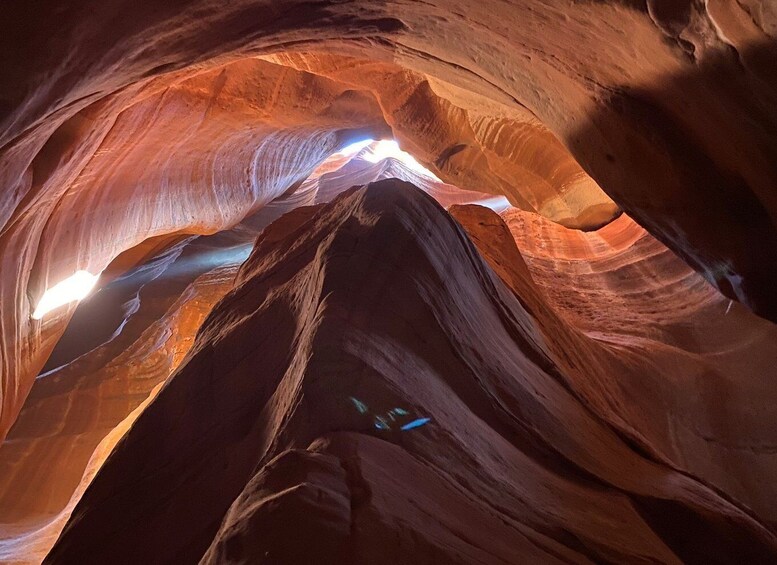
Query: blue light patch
[
  {"x": 360, "y": 406},
  {"x": 381, "y": 424},
  {"x": 417, "y": 423}
]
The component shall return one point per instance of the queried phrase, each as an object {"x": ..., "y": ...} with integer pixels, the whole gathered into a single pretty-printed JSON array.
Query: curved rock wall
[
  {"x": 678, "y": 367},
  {"x": 411, "y": 407},
  {"x": 160, "y": 170},
  {"x": 473, "y": 141},
  {"x": 127, "y": 126},
  {"x": 124, "y": 342},
  {"x": 666, "y": 107}
]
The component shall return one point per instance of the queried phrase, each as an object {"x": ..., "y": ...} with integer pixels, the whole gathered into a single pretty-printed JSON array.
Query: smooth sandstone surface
[
  {"x": 77, "y": 412},
  {"x": 125, "y": 341},
  {"x": 594, "y": 342},
  {"x": 607, "y": 334},
  {"x": 110, "y": 112},
  {"x": 514, "y": 461}
]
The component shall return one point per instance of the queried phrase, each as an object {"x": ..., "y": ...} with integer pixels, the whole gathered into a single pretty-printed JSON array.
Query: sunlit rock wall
[
  {"x": 126, "y": 127},
  {"x": 412, "y": 405},
  {"x": 669, "y": 107}
]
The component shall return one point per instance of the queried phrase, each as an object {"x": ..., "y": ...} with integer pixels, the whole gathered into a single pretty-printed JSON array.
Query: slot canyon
[{"x": 388, "y": 282}]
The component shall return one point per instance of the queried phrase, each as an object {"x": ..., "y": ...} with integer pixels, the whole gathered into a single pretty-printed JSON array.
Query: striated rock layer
[
  {"x": 587, "y": 378},
  {"x": 76, "y": 413},
  {"x": 132, "y": 120},
  {"x": 372, "y": 391},
  {"x": 152, "y": 171},
  {"x": 122, "y": 343},
  {"x": 679, "y": 369}
]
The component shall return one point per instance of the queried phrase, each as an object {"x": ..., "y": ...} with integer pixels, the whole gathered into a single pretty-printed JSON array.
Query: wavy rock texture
[
  {"x": 109, "y": 113},
  {"x": 579, "y": 369},
  {"x": 123, "y": 343},
  {"x": 156, "y": 171},
  {"x": 499, "y": 149},
  {"x": 374, "y": 303},
  {"x": 683, "y": 372},
  {"x": 77, "y": 412}
]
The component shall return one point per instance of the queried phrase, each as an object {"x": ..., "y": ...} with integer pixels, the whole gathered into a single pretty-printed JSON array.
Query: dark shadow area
[
  {"x": 693, "y": 159},
  {"x": 699, "y": 539}
]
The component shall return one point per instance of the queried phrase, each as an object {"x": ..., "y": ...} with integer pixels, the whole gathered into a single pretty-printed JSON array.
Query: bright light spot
[
  {"x": 496, "y": 203},
  {"x": 354, "y": 148},
  {"x": 74, "y": 288},
  {"x": 417, "y": 423},
  {"x": 386, "y": 148}
]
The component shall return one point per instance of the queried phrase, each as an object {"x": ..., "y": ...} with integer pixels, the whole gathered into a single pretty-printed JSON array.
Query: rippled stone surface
[
  {"x": 110, "y": 114},
  {"x": 77, "y": 412},
  {"x": 634, "y": 141},
  {"x": 347, "y": 323},
  {"x": 124, "y": 342}
]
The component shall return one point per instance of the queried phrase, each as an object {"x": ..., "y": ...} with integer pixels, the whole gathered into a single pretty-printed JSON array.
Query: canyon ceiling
[{"x": 556, "y": 343}]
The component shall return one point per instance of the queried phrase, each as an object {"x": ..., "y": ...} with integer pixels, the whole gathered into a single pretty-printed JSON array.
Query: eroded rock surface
[
  {"x": 110, "y": 113},
  {"x": 597, "y": 364},
  {"x": 373, "y": 382}
]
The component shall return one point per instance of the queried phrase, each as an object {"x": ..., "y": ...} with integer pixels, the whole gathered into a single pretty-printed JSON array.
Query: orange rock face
[
  {"x": 610, "y": 338},
  {"x": 77, "y": 412},
  {"x": 381, "y": 424}
]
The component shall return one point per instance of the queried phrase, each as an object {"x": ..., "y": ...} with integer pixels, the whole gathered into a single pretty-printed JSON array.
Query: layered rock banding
[
  {"x": 503, "y": 405},
  {"x": 130, "y": 128},
  {"x": 521, "y": 74},
  {"x": 146, "y": 320}
]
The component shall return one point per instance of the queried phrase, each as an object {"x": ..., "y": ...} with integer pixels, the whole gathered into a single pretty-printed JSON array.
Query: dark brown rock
[{"x": 375, "y": 302}]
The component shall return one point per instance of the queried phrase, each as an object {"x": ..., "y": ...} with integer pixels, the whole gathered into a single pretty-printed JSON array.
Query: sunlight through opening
[
  {"x": 72, "y": 289},
  {"x": 354, "y": 148},
  {"x": 384, "y": 149}
]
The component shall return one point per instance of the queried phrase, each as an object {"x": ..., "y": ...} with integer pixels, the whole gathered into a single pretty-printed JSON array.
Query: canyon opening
[{"x": 388, "y": 282}]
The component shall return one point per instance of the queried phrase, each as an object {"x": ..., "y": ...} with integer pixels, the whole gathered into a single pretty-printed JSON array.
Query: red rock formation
[
  {"x": 499, "y": 148},
  {"x": 682, "y": 371},
  {"x": 159, "y": 172},
  {"x": 77, "y": 412},
  {"x": 285, "y": 412},
  {"x": 676, "y": 110},
  {"x": 127, "y": 127}
]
